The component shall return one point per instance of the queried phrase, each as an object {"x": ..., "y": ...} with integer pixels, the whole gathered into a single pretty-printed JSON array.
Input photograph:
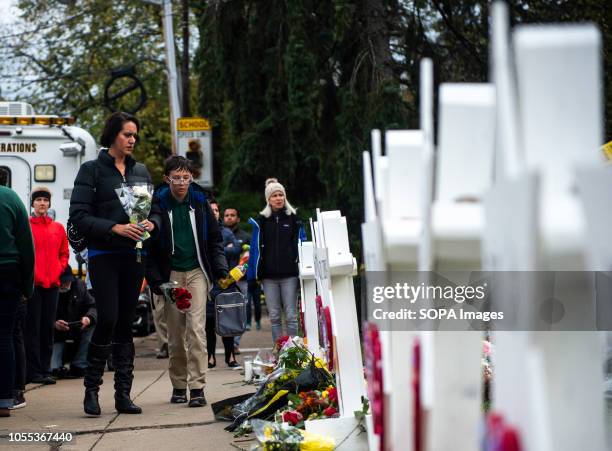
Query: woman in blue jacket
[{"x": 274, "y": 257}]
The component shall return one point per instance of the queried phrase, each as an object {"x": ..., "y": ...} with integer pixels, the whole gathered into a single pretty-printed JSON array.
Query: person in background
[
  {"x": 274, "y": 257},
  {"x": 188, "y": 251},
  {"x": 231, "y": 220},
  {"x": 51, "y": 248},
  {"x": 231, "y": 248},
  {"x": 161, "y": 325},
  {"x": 75, "y": 320},
  {"x": 113, "y": 262},
  {"x": 82, "y": 259},
  {"x": 16, "y": 283}
]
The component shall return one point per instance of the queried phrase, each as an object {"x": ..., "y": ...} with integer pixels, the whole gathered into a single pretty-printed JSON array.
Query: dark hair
[
  {"x": 232, "y": 208},
  {"x": 114, "y": 125},
  {"x": 212, "y": 200},
  {"x": 177, "y": 163}
]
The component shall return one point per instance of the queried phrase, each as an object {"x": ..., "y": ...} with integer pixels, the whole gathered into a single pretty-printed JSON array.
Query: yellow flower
[
  {"x": 268, "y": 432},
  {"x": 320, "y": 363},
  {"x": 324, "y": 394}
]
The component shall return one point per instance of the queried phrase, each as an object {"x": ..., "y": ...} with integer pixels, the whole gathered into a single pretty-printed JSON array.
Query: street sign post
[{"x": 195, "y": 143}]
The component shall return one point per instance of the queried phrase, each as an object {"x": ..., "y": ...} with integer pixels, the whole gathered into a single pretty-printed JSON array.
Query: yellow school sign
[
  {"x": 194, "y": 141},
  {"x": 190, "y": 124}
]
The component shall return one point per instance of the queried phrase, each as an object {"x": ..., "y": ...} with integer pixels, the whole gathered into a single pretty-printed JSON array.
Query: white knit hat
[{"x": 273, "y": 186}]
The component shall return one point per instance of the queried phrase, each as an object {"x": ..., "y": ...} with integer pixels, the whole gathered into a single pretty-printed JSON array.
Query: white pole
[{"x": 171, "y": 67}]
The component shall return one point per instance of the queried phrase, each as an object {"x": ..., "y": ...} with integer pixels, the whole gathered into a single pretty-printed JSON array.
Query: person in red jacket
[{"x": 51, "y": 258}]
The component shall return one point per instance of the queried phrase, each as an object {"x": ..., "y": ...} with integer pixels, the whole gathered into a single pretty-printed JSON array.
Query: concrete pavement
[{"x": 162, "y": 426}]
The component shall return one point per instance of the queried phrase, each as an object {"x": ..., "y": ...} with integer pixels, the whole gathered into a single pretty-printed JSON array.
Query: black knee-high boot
[
  {"x": 96, "y": 359},
  {"x": 123, "y": 361}
]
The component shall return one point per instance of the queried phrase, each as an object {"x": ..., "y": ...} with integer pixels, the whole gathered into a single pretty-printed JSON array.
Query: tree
[
  {"x": 59, "y": 58},
  {"x": 293, "y": 89}
]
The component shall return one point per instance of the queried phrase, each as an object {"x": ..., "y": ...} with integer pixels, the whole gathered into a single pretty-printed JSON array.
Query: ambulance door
[{"x": 15, "y": 172}]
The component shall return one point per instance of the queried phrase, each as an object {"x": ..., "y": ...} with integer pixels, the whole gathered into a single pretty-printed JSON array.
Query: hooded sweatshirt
[{"x": 51, "y": 247}]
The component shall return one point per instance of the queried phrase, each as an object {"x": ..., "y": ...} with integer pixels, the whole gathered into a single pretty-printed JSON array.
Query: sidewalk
[{"x": 162, "y": 426}]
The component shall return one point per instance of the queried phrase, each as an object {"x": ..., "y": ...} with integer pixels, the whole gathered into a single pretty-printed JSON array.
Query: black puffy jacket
[
  {"x": 94, "y": 205},
  {"x": 278, "y": 243},
  {"x": 208, "y": 238}
]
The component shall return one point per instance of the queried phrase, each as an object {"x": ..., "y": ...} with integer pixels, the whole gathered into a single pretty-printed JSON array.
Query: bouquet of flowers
[
  {"x": 136, "y": 202},
  {"x": 297, "y": 370},
  {"x": 310, "y": 405},
  {"x": 179, "y": 296},
  {"x": 281, "y": 436}
]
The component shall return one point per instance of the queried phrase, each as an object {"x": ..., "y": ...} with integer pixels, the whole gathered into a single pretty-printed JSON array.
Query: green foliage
[
  {"x": 292, "y": 89},
  {"x": 59, "y": 57}
]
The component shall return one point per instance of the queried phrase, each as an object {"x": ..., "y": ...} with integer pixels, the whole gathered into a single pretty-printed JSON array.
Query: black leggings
[
  {"x": 116, "y": 280},
  {"x": 211, "y": 340},
  {"x": 19, "y": 345},
  {"x": 39, "y": 331}
]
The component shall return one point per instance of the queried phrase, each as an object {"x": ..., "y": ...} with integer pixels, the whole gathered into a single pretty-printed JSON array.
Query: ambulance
[{"x": 42, "y": 150}]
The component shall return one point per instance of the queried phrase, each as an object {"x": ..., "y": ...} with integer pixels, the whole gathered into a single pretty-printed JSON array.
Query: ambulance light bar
[{"x": 37, "y": 120}]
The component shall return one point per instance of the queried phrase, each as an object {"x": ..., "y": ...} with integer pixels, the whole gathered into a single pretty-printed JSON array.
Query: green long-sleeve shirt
[
  {"x": 16, "y": 244},
  {"x": 185, "y": 257}
]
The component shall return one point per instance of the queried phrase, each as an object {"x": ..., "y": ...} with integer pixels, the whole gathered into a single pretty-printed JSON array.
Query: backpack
[
  {"x": 230, "y": 311},
  {"x": 76, "y": 239}
]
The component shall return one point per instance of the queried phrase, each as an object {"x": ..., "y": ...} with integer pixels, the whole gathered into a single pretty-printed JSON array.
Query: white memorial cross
[
  {"x": 510, "y": 244},
  {"x": 555, "y": 400},
  {"x": 335, "y": 263},
  {"x": 464, "y": 173},
  {"x": 465, "y": 170},
  {"x": 559, "y": 77},
  {"x": 402, "y": 226}
]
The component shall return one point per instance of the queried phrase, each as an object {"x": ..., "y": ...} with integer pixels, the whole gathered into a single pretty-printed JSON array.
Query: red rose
[
  {"x": 181, "y": 294},
  {"x": 332, "y": 394},
  {"x": 330, "y": 411},
  {"x": 183, "y": 304},
  {"x": 292, "y": 417},
  {"x": 281, "y": 341}
]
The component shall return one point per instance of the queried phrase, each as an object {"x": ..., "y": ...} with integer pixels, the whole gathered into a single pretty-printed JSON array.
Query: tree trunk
[{"x": 377, "y": 35}]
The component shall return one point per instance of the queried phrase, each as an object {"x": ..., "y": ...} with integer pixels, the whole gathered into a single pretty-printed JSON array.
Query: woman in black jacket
[
  {"x": 275, "y": 259},
  {"x": 115, "y": 270}
]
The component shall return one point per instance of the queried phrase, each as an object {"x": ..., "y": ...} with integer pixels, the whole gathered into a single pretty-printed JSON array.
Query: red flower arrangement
[
  {"x": 177, "y": 295},
  {"x": 311, "y": 405}
]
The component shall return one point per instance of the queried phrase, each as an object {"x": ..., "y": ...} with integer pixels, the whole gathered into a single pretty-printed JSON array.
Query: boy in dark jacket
[
  {"x": 75, "y": 320},
  {"x": 187, "y": 250}
]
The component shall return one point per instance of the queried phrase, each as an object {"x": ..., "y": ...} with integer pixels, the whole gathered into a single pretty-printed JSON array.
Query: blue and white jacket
[{"x": 274, "y": 246}]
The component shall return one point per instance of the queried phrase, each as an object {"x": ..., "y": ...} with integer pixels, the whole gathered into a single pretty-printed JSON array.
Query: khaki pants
[
  {"x": 186, "y": 334},
  {"x": 159, "y": 318}
]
